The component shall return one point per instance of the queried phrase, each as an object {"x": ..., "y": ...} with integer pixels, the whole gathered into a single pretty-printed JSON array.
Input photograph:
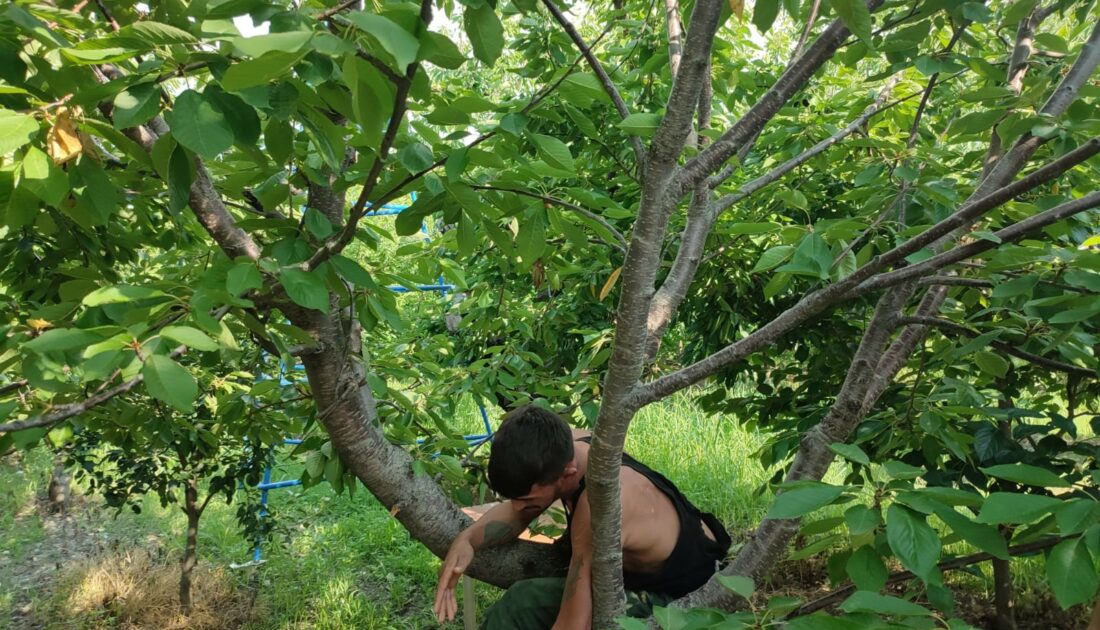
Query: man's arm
[
  {"x": 576, "y": 601},
  {"x": 499, "y": 525}
]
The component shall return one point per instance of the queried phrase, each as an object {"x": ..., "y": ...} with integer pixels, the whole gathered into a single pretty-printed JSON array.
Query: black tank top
[{"x": 694, "y": 558}]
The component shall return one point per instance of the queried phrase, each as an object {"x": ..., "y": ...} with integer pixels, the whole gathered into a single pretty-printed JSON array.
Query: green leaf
[
  {"x": 764, "y": 13},
  {"x": 61, "y": 340},
  {"x": 136, "y": 105},
  {"x": 912, "y": 540},
  {"x": 121, "y": 293},
  {"x": 553, "y": 152},
  {"x": 865, "y": 601},
  {"x": 242, "y": 277},
  {"x": 773, "y": 258},
  {"x": 306, "y": 288},
  {"x": 742, "y": 586},
  {"x": 16, "y": 130},
  {"x": 43, "y": 178},
  {"x": 640, "y": 124},
  {"x": 812, "y": 258},
  {"x": 485, "y": 31},
  {"x": 866, "y": 569},
  {"x": 803, "y": 499},
  {"x": 353, "y": 272},
  {"x": 819, "y": 622},
  {"x": 531, "y": 240},
  {"x": 279, "y": 140},
  {"x": 1018, "y": 11},
  {"x": 199, "y": 125},
  {"x": 259, "y": 71},
  {"x": 456, "y": 164},
  {"x": 317, "y": 223},
  {"x": 169, "y": 382},
  {"x": 1028, "y": 475},
  {"x": 243, "y": 121},
  {"x": 441, "y": 51},
  {"x": 1071, "y": 572},
  {"x": 394, "y": 39},
  {"x": 738, "y": 229},
  {"x": 412, "y": 218},
  {"x": 157, "y": 33},
  {"x": 415, "y": 157},
  {"x": 856, "y": 17},
  {"x": 850, "y": 451},
  {"x": 1008, "y": 507},
  {"x": 181, "y": 174},
  {"x": 984, "y": 537},
  {"x": 990, "y": 363},
  {"x": 260, "y": 45},
  {"x": 1015, "y": 287},
  {"x": 862, "y": 519},
  {"x": 190, "y": 337}
]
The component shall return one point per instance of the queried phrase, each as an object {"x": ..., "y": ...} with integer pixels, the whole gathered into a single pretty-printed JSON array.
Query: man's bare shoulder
[{"x": 580, "y": 433}]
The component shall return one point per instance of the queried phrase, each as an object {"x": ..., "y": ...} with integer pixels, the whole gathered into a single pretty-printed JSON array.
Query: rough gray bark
[{"x": 190, "y": 549}]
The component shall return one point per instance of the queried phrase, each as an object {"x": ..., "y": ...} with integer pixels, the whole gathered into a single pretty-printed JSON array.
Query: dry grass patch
[{"x": 134, "y": 590}]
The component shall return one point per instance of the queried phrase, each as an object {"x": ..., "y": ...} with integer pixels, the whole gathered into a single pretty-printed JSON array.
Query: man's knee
[{"x": 527, "y": 605}]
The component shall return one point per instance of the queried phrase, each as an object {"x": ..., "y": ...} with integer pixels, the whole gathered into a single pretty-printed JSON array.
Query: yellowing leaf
[
  {"x": 39, "y": 324},
  {"x": 607, "y": 286},
  {"x": 738, "y": 8},
  {"x": 63, "y": 142}
]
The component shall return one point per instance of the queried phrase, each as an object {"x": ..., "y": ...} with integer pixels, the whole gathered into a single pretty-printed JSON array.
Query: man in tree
[{"x": 670, "y": 548}]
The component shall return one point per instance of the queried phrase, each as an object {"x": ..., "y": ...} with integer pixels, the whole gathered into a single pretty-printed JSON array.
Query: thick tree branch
[
  {"x": 64, "y": 412},
  {"x": 398, "y": 189},
  {"x": 688, "y": 84},
  {"x": 769, "y": 541},
  {"x": 1006, "y": 235},
  {"x": 947, "y": 565},
  {"x": 754, "y": 186},
  {"x": 810, "y": 19},
  {"x": 597, "y": 67},
  {"x": 400, "y": 104},
  {"x": 1017, "y": 68},
  {"x": 860, "y": 282},
  {"x": 956, "y": 281},
  {"x": 617, "y": 406},
  {"x": 1059, "y": 100},
  {"x": 1006, "y": 348},
  {"x": 620, "y": 241},
  {"x": 792, "y": 80}
]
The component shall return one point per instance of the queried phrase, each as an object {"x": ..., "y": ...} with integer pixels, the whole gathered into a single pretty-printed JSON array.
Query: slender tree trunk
[
  {"x": 58, "y": 489},
  {"x": 1002, "y": 590},
  {"x": 1094, "y": 624},
  {"x": 190, "y": 556}
]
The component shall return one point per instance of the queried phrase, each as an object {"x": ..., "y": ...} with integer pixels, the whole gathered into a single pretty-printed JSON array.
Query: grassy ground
[{"x": 340, "y": 562}]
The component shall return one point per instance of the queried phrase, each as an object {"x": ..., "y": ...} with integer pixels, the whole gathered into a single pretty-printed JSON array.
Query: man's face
[{"x": 537, "y": 500}]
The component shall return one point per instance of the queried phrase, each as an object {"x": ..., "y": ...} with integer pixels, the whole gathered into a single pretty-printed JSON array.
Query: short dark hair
[{"x": 532, "y": 446}]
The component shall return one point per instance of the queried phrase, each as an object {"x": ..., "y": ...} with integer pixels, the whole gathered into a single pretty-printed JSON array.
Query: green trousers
[{"x": 533, "y": 605}]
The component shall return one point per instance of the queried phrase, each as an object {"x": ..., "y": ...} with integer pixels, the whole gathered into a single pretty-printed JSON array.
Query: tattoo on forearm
[
  {"x": 573, "y": 577},
  {"x": 496, "y": 533}
]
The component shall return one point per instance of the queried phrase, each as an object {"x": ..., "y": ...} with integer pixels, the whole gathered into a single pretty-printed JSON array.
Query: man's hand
[{"x": 459, "y": 557}]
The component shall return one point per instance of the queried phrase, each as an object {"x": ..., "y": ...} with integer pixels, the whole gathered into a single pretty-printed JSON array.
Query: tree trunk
[
  {"x": 346, "y": 408},
  {"x": 190, "y": 557},
  {"x": 58, "y": 490},
  {"x": 1094, "y": 624},
  {"x": 1002, "y": 589},
  {"x": 1002, "y": 569}
]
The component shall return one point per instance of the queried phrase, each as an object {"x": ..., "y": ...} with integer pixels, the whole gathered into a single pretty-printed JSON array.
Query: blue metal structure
[{"x": 472, "y": 440}]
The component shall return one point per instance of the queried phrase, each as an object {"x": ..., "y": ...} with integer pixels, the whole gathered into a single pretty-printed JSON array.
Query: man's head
[{"x": 532, "y": 453}]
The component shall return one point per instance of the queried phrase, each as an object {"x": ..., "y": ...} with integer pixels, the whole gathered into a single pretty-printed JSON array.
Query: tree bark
[{"x": 190, "y": 550}]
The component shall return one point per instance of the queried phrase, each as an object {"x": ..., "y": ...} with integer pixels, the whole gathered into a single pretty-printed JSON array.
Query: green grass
[{"x": 20, "y": 526}]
